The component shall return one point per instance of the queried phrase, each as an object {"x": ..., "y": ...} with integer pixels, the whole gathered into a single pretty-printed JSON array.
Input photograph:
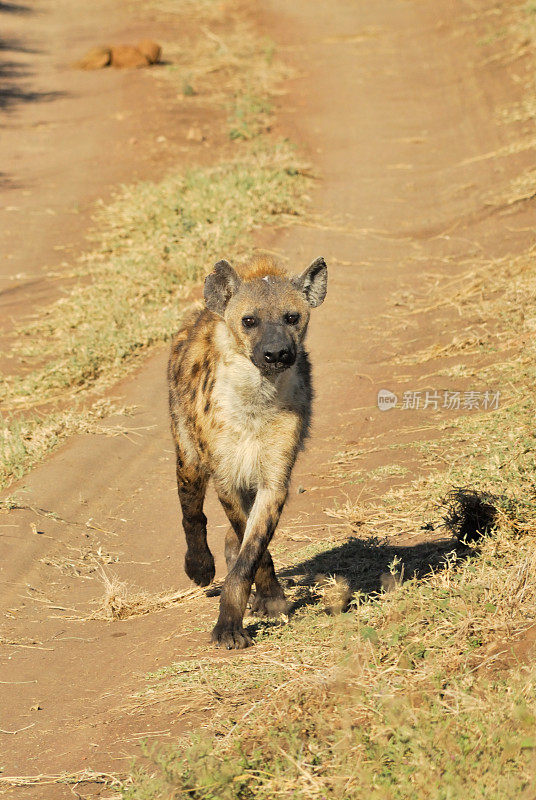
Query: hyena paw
[
  {"x": 232, "y": 636},
  {"x": 269, "y": 606},
  {"x": 200, "y": 567}
]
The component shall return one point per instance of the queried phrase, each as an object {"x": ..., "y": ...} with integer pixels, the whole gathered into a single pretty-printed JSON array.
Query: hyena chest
[
  {"x": 239, "y": 457},
  {"x": 254, "y": 433}
]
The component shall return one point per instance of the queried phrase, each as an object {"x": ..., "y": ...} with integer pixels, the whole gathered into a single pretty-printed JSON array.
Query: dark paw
[
  {"x": 267, "y": 606},
  {"x": 233, "y": 637},
  {"x": 200, "y": 567}
]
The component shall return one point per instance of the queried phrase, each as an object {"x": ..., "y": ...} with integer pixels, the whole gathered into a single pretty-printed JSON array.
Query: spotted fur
[{"x": 240, "y": 400}]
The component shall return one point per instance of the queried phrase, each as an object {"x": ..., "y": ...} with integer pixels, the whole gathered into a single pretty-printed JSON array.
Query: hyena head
[{"x": 266, "y": 310}]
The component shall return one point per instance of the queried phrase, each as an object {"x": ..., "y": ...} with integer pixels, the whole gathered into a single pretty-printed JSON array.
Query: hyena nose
[{"x": 282, "y": 356}]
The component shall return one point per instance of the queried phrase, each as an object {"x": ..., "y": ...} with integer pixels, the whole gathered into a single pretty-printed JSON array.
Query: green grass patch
[{"x": 250, "y": 116}]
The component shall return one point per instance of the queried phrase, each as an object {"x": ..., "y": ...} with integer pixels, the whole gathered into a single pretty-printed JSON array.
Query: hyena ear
[
  {"x": 313, "y": 282},
  {"x": 220, "y": 286}
]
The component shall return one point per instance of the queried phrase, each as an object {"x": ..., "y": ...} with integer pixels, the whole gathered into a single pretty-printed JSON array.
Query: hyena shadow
[{"x": 365, "y": 566}]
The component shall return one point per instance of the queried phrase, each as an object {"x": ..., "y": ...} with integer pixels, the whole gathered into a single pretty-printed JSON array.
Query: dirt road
[
  {"x": 69, "y": 137},
  {"x": 395, "y": 108}
]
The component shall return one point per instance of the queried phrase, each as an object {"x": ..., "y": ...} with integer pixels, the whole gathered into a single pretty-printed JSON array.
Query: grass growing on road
[
  {"x": 223, "y": 60},
  {"x": 25, "y": 440},
  {"x": 154, "y": 241},
  {"x": 426, "y": 691}
]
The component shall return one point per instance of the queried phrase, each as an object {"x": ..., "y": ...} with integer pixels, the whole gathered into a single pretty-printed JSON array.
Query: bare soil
[{"x": 395, "y": 105}]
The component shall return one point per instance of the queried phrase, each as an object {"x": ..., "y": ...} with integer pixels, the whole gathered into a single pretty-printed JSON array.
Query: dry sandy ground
[
  {"x": 69, "y": 137},
  {"x": 392, "y": 104}
]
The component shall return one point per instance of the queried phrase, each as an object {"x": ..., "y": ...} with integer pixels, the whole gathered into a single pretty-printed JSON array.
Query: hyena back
[{"x": 240, "y": 399}]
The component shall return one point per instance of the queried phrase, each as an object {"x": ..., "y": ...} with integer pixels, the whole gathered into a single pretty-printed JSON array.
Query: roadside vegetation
[{"x": 155, "y": 240}]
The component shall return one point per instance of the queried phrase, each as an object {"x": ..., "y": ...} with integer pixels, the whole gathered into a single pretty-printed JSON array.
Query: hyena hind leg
[
  {"x": 237, "y": 508},
  {"x": 269, "y": 600},
  {"x": 232, "y": 548},
  {"x": 198, "y": 561}
]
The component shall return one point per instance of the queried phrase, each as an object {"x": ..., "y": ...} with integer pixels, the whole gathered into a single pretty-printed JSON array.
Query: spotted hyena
[{"x": 240, "y": 400}]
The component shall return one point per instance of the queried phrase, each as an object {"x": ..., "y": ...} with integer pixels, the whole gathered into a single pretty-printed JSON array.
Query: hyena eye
[
  {"x": 249, "y": 322},
  {"x": 292, "y": 319}
]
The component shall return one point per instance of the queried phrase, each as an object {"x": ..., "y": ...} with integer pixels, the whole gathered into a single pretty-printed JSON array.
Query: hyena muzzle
[{"x": 240, "y": 399}]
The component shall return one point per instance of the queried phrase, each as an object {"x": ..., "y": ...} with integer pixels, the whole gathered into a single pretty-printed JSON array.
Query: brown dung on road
[{"x": 121, "y": 56}]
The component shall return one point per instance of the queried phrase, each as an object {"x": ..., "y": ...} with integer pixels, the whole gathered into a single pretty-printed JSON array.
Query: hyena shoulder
[{"x": 192, "y": 356}]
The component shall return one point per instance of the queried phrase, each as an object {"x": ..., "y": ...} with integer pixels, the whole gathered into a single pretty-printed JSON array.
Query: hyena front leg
[
  {"x": 269, "y": 599},
  {"x": 198, "y": 561},
  {"x": 260, "y": 527}
]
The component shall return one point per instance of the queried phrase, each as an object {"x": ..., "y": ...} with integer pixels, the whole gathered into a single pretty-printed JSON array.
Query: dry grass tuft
[
  {"x": 335, "y": 592},
  {"x": 63, "y": 778},
  {"x": 121, "y": 601}
]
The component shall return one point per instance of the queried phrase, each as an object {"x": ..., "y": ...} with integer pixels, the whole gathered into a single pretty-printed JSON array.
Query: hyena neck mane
[{"x": 264, "y": 267}]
